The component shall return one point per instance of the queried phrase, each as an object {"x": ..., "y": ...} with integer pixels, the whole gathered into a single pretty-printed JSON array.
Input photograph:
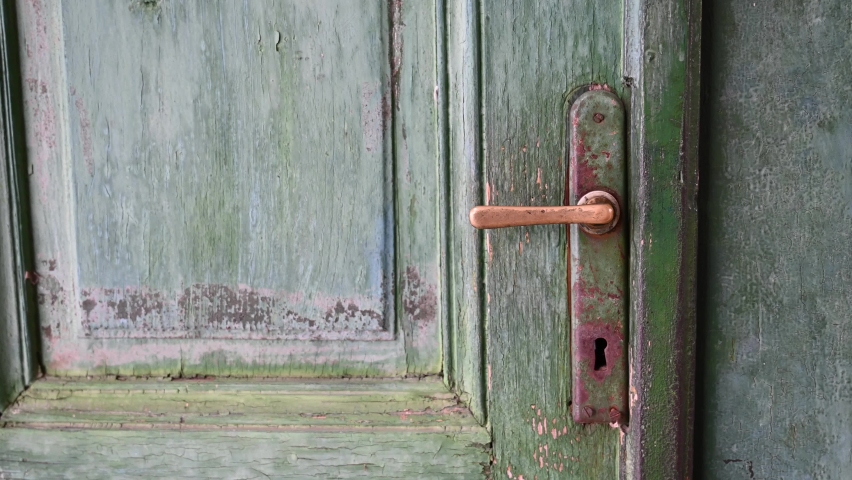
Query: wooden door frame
[
  {"x": 662, "y": 57},
  {"x": 19, "y": 358}
]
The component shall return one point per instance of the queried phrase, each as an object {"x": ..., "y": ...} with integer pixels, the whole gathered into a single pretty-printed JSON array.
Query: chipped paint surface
[
  {"x": 194, "y": 207},
  {"x": 335, "y": 428},
  {"x": 419, "y": 298},
  {"x": 598, "y": 264},
  {"x": 220, "y": 311},
  {"x": 224, "y": 314}
]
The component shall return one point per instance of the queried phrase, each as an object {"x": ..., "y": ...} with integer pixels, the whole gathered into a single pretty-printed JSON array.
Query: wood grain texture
[
  {"x": 664, "y": 185},
  {"x": 241, "y": 429},
  {"x": 465, "y": 367},
  {"x": 216, "y": 184},
  {"x": 318, "y": 405},
  {"x": 533, "y": 55},
  {"x": 775, "y": 374},
  {"x": 236, "y": 454},
  {"x": 18, "y": 333}
]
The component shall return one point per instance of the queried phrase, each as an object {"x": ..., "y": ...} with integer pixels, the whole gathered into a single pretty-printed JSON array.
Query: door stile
[
  {"x": 465, "y": 255},
  {"x": 662, "y": 60},
  {"x": 18, "y": 329}
]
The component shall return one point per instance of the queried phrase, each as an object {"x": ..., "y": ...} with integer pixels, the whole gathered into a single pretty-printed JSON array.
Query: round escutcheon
[{"x": 595, "y": 198}]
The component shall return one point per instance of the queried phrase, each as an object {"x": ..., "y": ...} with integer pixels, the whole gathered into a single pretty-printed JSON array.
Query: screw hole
[{"x": 600, "y": 353}]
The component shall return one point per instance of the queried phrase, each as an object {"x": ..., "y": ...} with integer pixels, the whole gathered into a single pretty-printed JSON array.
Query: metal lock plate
[{"x": 598, "y": 274}]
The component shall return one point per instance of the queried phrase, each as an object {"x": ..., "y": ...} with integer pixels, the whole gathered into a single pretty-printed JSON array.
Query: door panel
[{"x": 234, "y": 188}]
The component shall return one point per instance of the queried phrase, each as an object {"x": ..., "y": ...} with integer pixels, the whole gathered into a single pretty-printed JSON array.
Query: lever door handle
[
  {"x": 596, "y": 186},
  {"x": 598, "y": 211}
]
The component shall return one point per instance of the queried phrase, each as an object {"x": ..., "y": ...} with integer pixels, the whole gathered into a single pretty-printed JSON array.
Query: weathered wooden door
[{"x": 281, "y": 189}]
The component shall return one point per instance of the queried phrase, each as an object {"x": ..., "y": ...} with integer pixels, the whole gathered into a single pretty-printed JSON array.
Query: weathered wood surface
[
  {"x": 252, "y": 405},
  {"x": 533, "y": 55},
  {"x": 215, "y": 184},
  {"x": 112, "y": 454},
  {"x": 775, "y": 398},
  {"x": 662, "y": 60},
  {"x": 234, "y": 429},
  {"x": 18, "y": 335},
  {"x": 465, "y": 355}
]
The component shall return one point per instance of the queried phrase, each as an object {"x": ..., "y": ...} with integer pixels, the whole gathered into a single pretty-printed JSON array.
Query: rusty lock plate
[{"x": 598, "y": 273}]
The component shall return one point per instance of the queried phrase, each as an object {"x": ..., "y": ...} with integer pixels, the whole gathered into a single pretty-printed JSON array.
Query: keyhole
[{"x": 600, "y": 353}]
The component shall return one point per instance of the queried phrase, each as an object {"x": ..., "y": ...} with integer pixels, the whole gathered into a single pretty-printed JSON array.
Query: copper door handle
[{"x": 597, "y": 211}]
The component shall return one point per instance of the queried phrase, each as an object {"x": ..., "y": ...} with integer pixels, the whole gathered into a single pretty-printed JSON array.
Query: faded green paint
[
  {"x": 465, "y": 352},
  {"x": 662, "y": 61},
  {"x": 113, "y": 454},
  {"x": 253, "y": 181},
  {"x": 775, "y": 395},
  {"x": 18, "y": 335},
  {"x": 533, "y": 55},
  {"x": 598, "y": 274},
  {"x": 236, "y": 454},
  {"x": 281, "y": 429},
  {"x": 218, "y": 403}
]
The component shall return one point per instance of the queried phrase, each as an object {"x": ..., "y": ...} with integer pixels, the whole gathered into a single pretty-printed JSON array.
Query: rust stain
[
  {"x": 584, "y": 356},
  {"x": 51, "y": 299},
  {"x": 88, "y": 305},
  {"x": 222, "y": 307},
  {"x": 583, "y": 174},
  {"x": 584, "y": 351},
  {"x": 588, "y": 297},
  {"x": 419, "y": 299},
  {"x": 600, "y": 86},
  {"x": 222, "y": 311}
]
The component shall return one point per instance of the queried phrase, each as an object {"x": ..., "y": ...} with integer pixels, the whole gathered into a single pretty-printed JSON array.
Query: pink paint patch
[
  {"x": 85, "y": 136},
  {"x": 38, "y": 98}
]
